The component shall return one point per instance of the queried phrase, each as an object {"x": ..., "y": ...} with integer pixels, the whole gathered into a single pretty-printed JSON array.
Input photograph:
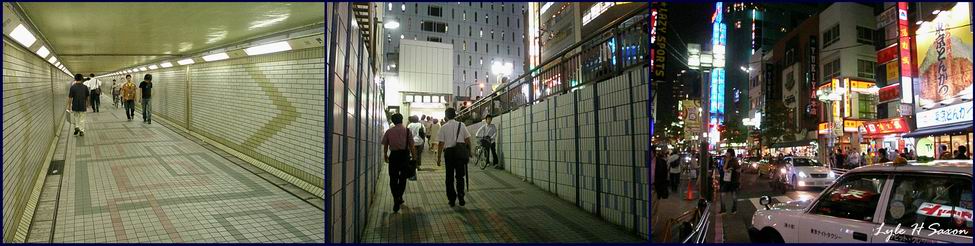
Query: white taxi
[{"x": 915, "y": 203}]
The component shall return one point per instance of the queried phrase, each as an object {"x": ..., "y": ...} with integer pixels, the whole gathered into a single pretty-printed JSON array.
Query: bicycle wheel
[
  {"x": 483, "y": 158},
  {"x": 477, "y": 154}
]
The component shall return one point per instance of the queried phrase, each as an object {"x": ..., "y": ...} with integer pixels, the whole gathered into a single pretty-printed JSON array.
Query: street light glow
[{"x": 392, "y": 24}]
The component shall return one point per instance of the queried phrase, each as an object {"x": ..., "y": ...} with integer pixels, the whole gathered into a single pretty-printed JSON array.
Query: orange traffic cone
[{"x": 690, "y": 191}]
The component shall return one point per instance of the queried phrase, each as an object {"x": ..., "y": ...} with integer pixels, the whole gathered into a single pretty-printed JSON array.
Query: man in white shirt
[
  {"x": 486, "y": 136},
  {"x": 94, "y": 85},
  {"x": 419, "y": 136},
  {"x": 673, "y": 162},
  {"x": 450, "y": 134}
]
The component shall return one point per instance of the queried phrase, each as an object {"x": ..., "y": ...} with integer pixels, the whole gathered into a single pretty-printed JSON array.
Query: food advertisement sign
[{"x": 944, "y": 52}]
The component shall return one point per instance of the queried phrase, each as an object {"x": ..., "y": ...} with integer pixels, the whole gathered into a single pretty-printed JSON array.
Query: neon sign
[{"x": 907, "y": 84}]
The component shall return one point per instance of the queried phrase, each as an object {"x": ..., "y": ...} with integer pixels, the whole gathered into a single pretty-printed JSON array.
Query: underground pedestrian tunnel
[
  {"x": 573, "y": 140},
  {"x": 235, "y": 147}
]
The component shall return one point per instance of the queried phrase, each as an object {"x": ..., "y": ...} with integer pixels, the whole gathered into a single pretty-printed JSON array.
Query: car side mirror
[{"x": 765, "y": 201}]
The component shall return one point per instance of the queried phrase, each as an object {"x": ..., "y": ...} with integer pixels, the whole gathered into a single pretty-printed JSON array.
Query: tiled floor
[
  {"x": 500, "y": 208},
  {"x": 133, "y": 182}
]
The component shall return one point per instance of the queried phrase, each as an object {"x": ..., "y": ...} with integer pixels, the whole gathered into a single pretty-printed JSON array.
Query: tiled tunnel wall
[
  {"x": 357, "y": 122},
  {"x": 605, "y": 171},
  {"x": 268, "y": 107},
  {"x": 34, "y": 99}
]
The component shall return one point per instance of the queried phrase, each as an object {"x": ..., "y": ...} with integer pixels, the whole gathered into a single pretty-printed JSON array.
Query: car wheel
[{"x": 772, "y": 236}]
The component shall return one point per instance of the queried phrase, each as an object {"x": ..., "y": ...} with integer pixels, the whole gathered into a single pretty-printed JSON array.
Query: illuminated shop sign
[
  {"x": 887, "y": 54},
  {"x": 851, "y": 125},
  {"x": 944, "y": 51},
  {"x": 886, "y": 126},
  {"x": 905, "y": 51},
  {"x": 718, "y": 42},
  {"x": 889, "y": 93},
  {"x": 946, "y": 115}
]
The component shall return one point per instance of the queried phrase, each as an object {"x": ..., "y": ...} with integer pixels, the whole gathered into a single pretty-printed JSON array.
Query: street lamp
[{"x": 828, "y": 96}]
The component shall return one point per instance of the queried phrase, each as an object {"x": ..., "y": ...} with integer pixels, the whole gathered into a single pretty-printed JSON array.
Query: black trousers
[
  {"x": 456, "y": 170},
  {"x": 95, "y": 101},
  {"x": 398, "y": 164},
  {"x": 494, "y": 153},
  {"x": 129, "y": 108},
  {"x": 674, "y": 181}
]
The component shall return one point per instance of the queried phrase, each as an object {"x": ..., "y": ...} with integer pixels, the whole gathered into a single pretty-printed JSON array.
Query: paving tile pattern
[
  {"x": 133, "y": 182},
  {"x": 500, "y": 208}
]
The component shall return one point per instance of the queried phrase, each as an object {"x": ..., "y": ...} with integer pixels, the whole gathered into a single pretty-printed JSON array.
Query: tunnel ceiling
[{"x": 104, "y": 37}]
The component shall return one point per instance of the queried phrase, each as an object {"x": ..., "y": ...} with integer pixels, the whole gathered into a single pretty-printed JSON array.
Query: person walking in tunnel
[
  {"x": 456, "y": 156},
  {"x": 419, "y": 134},
  {"x": 397, "y": 151},
  {"x": 434, "y": 130},
  {"x": 78, "y": 103},
  {"x": 486, "y": 136},
  {"x": 128, "y": 97},
  {"x": 95, "y": 92},
  {"x": 146, "y": 87},
  {"x": 116, "y": 90}
]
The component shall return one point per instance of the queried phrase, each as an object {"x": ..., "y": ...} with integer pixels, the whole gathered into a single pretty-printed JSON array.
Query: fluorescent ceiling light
[
  {"x": 185, "y": 62},
  {"x": 267, "y": 48},
  {"x": 166, "y": 64},
  {"x": 216, "y": 57},
  {"x": 52, "y": 60},
  {"x": 23, "y": 36},
  {"x": 43, "y": 52},
  {"x": 153, "y": 67},
  {"x": 143, "y": 69}
]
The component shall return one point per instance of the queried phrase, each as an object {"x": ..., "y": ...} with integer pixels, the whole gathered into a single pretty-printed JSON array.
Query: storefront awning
[
  {"x": 953, "y": 128},
  {"x": 793, "y": 144}
]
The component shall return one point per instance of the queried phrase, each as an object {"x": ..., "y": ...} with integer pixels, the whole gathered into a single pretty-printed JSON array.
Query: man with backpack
[
  {"x": 455, "y": 140},
  {"x": 95, "y": 92},
  {"x": 397, "y": 151},
  {"x": 419, "y": 135}
]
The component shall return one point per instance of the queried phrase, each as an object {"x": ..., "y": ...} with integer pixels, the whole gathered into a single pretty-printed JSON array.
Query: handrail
[
  {"x": 704, "y": 223},
  {"x": 603, "y": 57}
]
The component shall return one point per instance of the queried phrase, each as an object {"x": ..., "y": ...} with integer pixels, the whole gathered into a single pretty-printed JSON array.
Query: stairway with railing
[{"x": 577, "y": 125}]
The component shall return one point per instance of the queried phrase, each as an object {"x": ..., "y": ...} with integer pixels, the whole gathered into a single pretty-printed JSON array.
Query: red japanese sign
[
  {"x": 886, "y": 126},
  {"x": 887, "y": 54},
  {"x": 889, "y": 93},
  {"x": 938, "y": 210}
]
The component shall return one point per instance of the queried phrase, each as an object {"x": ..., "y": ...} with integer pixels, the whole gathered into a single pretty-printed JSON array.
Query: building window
[
  {"x": 458, "y": 59},
  {"x": 390, "y": 6},
  {"x": 465, "y": 15},
  {"x": 415, "y": 7},
  {"x": 509, "y": 22},
  {"x": 864, "y": 35},
  {"x": 481, "y": 32},
  {"x": 401, "y": 36},
  {"x": 453, "y": 14},
  {"x": 434, "y": 39},
  {"x": 402, "y": 7},
  {"x": 492, "y": 34},
  {"x": 475, "y": 46},
  {"x": 865, "y": 69},
  {"x": 470, "y": 32},
  {"x": 502, "y": 35},
  {"x": 475, "y": 16},
  {"x": 485, "y": 19},
  {"x": 458, "y": 29},
  {"x": 470, "y": 61},
  {"x": 435, "y": 11},
  {"x": 502, "y": 7},
  {"x": 831, "y": 36},
  {"x": 465, "y": 45},
  {"x": 480, "y": 61},
  {"x": 831, "y": 70},
  {"x": 497, "y": 49},
  {"x": 432, "y": 26},
  {"x": 487, "y": 48},
  {"x": 518, "y": 22},
  {"x": 509, "y": 50}
]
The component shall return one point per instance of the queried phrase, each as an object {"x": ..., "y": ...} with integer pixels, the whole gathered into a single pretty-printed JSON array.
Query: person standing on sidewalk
[
  {"x": 730, "y": 180},
  {"x": 146, "y": 87},
  {"x": 673, "y": 161},
  {"x": 660, "y": 182},
  {"x": 128, "y": 97},
  {"x": 78, "y": 104},
  {"x": 451, "y": 136},
  {"x": 397, "y": 151}
]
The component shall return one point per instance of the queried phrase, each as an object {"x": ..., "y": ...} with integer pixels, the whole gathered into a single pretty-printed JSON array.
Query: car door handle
[{"x": 860, "y": 236}]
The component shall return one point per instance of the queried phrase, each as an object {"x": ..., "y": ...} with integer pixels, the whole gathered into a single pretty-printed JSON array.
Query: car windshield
[{"x": 804, "y": 162}]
